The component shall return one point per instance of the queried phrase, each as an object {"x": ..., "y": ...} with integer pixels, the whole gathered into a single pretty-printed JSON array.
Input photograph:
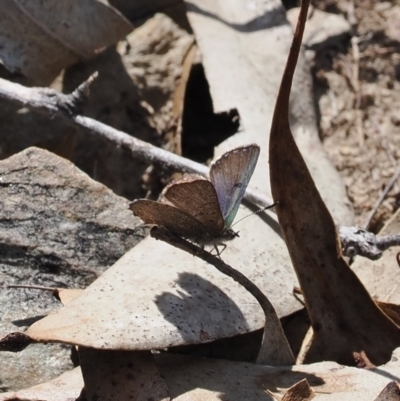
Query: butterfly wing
[
  {"x": 230, "y": 175},
  {"x": 196, "y": 196},
  {"x": 167, "y": 216}
]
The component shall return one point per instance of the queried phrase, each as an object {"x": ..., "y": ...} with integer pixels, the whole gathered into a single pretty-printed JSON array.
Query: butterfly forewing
[
  {"x": 196, "y": 196},
  {"x": 230, "y": 175},
  {"x": 167, "y": 216}
]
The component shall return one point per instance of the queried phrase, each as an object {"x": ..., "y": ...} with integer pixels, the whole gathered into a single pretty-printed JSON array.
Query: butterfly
[{"x": 199, "y": 209}]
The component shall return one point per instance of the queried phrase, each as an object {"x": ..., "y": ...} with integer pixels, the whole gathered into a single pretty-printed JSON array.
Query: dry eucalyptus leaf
[
  {"x": 391, "y": 310},
  {"x": 344, "y": 317},
  {"x": 390, "y": 393},
  {"x": 192, "y": 379},
  {"x": 301, "y": 391},
  {"x": 191, "y": 299},
  {"x": 174, "y": 134},
  {"x": 145, "y": 303},
  {"x": 322, "y": 29},
  {"x": 15, "y": 342},
  {"x": 244, "y": 46},
  {"x": 118, "y": 375},
  {"x": 38, "y": 39},
  {"x": 66, "y": 387},
  {"x": 155, "y": 286},
  {"x": 382, "y": 277},
  {"x": 66, "y": 295}
]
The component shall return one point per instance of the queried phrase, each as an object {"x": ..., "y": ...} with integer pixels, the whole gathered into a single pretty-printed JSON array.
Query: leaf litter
[
  {"x": 331, "y": 252},
  {"x": 343, "y": 315}
]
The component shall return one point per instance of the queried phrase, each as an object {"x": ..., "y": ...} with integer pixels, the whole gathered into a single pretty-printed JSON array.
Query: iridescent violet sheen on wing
[
  {"x": 230, "y": 175},
  {"x": 202, "y": 211}
]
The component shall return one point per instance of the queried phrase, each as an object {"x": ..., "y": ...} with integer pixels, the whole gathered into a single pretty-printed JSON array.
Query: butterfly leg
[
  {"x": 223, "y": 249},
  {"x": 217, "y": 250},
  {"x": 200, "y": 245}
]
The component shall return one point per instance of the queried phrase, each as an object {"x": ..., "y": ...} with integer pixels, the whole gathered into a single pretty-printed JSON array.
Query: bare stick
[
  {"x": 382, "y": 197},
  {"x": 358, "y": 241},
  {"x": 354, "y": 79},
  {"x": 31, "y": 287},
  {"x": 275, "y": 349},
  {"x": 50, "y": 102},
  {"x": 53, "y": 103}
]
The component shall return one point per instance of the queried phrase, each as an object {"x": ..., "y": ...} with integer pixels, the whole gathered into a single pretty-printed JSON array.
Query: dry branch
[
  {"x": 53, "y": 103},
  {"x": 67, "y": 107},
  {"x": 358, "y": 241}
]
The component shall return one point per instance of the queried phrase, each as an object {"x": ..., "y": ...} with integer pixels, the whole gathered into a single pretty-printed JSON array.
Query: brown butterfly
[{"x": 199, "y": 209}]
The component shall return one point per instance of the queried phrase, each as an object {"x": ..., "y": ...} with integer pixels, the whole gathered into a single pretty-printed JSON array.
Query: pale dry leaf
[
  {"x": 136, "y": 305},
  {"x": 391, "y": 310},
  {"x": 300, "y": 391},
  {"x": 183, "y": 299},
  {"x": 118, "y": 375},
  {"x": 66, "y": 295},
  {"x": 244, "y": 46},
  {"x": 192, "y": 379},
  {"x": 322, "y": 28},
  {"x": 66, "y": 387},
  {"x": 382, "y": 276},
  {"x": 344, "y": 317},
  {"x": 38, "y": 39},
  {"x": 390, "y": 393},
  {"x": 162, "y": 288},
  {"x": 206, "y": 379}
]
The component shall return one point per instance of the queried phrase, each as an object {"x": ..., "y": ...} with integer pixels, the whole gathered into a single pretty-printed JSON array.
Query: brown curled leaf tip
[
  {"x": 398, "y": 258},
  {"x": 362, "y": 361},
  {"x": 15, "y": 342}
]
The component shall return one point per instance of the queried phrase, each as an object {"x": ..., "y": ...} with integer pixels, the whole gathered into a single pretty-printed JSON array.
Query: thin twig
[
  {"x": 384, "y": 142},
  {"x": 388, "y": 241},
  {"x": 355, "y": 81},
  {"x": 30, "y": 287},
  {"x": 53, "y": 103},
  {"x": 358, "y": 241},
  {"x": 389, "y": 185},
  {"x": 50, "y": 102},
  {"x": 279, "y": 353}
]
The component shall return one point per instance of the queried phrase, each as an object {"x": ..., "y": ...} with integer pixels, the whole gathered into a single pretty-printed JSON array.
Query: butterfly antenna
[{"x": 258, "y": 211}]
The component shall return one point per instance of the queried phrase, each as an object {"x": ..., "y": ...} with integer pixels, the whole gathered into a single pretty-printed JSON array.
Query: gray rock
[{"x": 58, "y": 228}]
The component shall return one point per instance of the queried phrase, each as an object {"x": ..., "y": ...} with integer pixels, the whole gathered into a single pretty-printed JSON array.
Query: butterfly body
[{"x": 199, "y": 209}]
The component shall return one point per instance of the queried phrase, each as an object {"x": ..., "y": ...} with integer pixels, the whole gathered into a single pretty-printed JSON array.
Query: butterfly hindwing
[
  {"x": 202, "y": 210},
  {"x": 230, "y": 175},
  {"x": 196, "y": 196},
  {"x": 167, "y": 216}
]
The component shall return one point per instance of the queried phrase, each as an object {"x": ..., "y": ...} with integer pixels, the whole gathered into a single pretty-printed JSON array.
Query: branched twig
[
  {"x": 53, "y": 103},
  {"x": 390, "y": 184},
  {"x": 358, "y": 241},
  {"x": 274, "y": 339}
]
